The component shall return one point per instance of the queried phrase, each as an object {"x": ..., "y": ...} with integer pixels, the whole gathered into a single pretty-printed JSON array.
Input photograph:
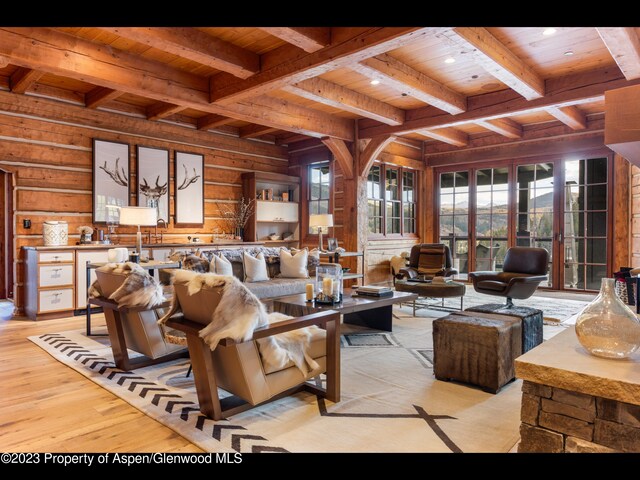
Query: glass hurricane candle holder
[{"x": 329, "y": 283}]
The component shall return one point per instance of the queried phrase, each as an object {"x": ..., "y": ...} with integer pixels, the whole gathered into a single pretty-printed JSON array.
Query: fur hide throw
[
  {"x": 238, "y": 314},
  {"x": 398, "y": 262},
  {"x": 190, "y": 261},
  {"x": 139, "y": 289}
]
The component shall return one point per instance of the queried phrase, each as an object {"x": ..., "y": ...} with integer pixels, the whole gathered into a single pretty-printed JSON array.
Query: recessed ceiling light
[
  {"x": 375, "y": 82},
  {"x": 568, "y": 53},
  {"x": 549, "y": 31},
  {"x": 450, "y": 60}
]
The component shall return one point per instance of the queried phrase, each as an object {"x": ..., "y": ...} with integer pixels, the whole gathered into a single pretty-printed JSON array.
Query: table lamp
[
  {"x": 139, "y": 216},
  {"x": 319, "y": 221}
]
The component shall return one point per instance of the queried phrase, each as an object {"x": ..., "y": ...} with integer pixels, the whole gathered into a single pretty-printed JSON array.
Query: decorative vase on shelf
[{"x": 607, "y": 327}]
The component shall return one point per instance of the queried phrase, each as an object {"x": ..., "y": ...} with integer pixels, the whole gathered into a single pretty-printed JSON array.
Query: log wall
[{"x": 47, "y": 145}]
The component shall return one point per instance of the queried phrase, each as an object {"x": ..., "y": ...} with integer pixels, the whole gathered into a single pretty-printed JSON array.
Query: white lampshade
[
  {"x": 139, "y": 216},
  {"x": 321, "y": 220}
]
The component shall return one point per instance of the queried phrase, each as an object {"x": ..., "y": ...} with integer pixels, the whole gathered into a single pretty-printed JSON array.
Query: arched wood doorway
[{"x": 6, "y": 235}]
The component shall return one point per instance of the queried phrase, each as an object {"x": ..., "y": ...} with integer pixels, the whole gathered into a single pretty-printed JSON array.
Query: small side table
[{"x": 151, "y": 265}]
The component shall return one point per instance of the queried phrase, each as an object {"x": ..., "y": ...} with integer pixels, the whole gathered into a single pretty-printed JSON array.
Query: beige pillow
[
  {"x": 255, "y": 268},
  {"x": 294, "y": 266},
  {"x": 221, "y": 265}
]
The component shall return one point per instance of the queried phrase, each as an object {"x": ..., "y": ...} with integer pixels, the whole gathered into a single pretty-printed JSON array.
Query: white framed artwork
[
  {"x": 110, "y": 180},
  {"x": 152, "y": 180}
]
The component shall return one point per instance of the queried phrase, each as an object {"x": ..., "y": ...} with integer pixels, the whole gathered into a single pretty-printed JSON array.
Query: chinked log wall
[
  {"x": 377, "y": 251},
  {"x": 48, "y": 147}
]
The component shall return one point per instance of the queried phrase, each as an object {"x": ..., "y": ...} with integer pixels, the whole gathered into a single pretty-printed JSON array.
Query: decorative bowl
[{"x": 274, "y": 237}]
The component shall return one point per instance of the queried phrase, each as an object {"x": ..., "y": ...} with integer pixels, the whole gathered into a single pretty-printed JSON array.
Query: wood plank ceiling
[{"x": 443, "y": 86}]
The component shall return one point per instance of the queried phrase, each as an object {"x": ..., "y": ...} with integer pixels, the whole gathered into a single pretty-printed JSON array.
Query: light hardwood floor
[{"x": 46, "y": 406}]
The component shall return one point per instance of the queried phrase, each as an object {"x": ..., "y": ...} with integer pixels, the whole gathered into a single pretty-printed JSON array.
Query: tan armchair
[
  {"x": 133, "y": 328},
  {"x": 237, "y": 367}
]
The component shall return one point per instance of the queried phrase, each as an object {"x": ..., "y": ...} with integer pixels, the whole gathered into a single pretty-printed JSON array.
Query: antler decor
[
  {"x": 120, "y": 179},
  {"x": 155, "y": 192},
  {"x": 188, "y": 181}
]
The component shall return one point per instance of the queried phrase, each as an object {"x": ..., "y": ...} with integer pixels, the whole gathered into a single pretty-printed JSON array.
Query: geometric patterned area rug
[{"x": 390, "y": 402}]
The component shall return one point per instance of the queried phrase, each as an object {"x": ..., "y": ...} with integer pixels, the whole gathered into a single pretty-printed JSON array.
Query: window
[
  {"x": 319, "y": 188},
  {"x": 492, "y": 217},
  {"x": 454, "y": 217},
  {"x": 392, "y": 207}
]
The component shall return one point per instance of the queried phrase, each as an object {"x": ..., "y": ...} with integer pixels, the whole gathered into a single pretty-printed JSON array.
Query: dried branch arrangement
[{"x": 235, "y": 215}]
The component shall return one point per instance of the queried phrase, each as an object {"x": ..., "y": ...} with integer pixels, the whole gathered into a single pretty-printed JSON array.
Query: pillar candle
[
  {"x": 327, "y": 286},
  {"x": 309, "y": 291},
  {"x": 336, "y": 287}
]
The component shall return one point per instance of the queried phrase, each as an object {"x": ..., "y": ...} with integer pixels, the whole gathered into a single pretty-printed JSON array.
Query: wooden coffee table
[{"x": 370, "y": 312}]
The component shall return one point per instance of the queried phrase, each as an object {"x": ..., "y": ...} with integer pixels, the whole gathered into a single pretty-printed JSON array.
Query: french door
[{"x": 557, "y": 204}]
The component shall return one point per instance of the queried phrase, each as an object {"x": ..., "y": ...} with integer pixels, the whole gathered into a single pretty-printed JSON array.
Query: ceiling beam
[
  {"x": 574, "y": 89},
  {"x": 570, "y": 116},
  {"x": 4, "y": 61},
  {"x": 23, "y": 79},
  {"x": 212, "y": 121},
  {"x": 163, "y": 110},
  {"x": 99, "y": 96},
  {"x": 290, "y": 138},
  {"x": 347, "y": 49},
  {"x": 59, "y": 53},
  {"x": 332, "y": 94},
  {"x": 371, "y": 151},
  {"x": 309, "y": 39},
  {"x": 405, "y": 79},
  {"x": 504, "y": 126},
  {"x": 197, "y": 46},
  {"x": 253, "y": 131},
  {"x": 342, "y": 155},
  {"x": 498, "y": 60},
  {"x": 451, "y": 136},
  {"x": 624, "y": 46}
]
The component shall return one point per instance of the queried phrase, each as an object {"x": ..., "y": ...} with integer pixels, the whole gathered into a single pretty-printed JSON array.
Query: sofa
[{"x": 276, "y": 286}]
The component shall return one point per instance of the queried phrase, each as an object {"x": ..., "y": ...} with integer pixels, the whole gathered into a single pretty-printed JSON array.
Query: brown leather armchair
[
  {"x": 523, "y": 270},
  {"x": 430, "y": 260}
]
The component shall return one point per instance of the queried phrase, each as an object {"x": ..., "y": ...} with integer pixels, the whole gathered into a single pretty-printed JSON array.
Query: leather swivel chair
[
  {"x": 523, "y": 270},
  {"x": 430, "y": 260}
]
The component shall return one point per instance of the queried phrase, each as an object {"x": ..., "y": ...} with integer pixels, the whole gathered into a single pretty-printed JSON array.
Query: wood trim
[
  {"x": 405, "y": 79},
  {"x": 23, "y": 79},
  {"x": 570, "y": 116},
  {"x": 498, "y": 60},
  {"x": 196, "y": 46},
  {"x": 342, "y": 154},
  {"x": 332, "y": 94},
  {"x": 161, "y": 110},
  {"x": 99, "y": 96},
  {"x": 371, "y": 151},
  {"x": 361, "y": 44},
  {"x": 309, "y": 39},
  {"x": 624, "y": 46},
  {"x": 452, "y": 136},
  {"x": 504, "y": 126},
  {"x": 621, "y": 213}
]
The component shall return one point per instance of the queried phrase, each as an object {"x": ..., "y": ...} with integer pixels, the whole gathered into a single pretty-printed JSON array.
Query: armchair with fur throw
[{"x": 235, "y": 345}]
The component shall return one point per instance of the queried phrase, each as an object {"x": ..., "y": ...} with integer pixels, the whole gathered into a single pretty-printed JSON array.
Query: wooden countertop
[
  {"x": 562, "y": 362},
  {"x": 98, "y": 246}
]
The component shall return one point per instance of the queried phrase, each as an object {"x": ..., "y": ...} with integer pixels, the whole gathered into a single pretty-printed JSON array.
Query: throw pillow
[
  {"x": 294, "y": 266},
  {"x": 222, "y": 265},
  {"x": 255, "y": 268}
]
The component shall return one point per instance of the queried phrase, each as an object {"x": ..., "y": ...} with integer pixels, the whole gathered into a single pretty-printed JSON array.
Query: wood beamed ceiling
[{"x": 444, "y": 88}]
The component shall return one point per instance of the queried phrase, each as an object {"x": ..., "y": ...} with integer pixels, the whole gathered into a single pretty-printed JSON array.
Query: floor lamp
[
  {"x": 320, "y": 221},
  {"x": 138, "y": 216}
]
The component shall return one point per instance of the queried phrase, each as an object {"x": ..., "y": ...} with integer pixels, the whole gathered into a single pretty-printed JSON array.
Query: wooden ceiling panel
[
  {"x": 428, "y": 56},
  {"x": 252, "y": 39},
  {"x": 290, "y": 97},
  {"x": 534, "y": 117},
  {"x": 8, "y": 70},
  {"x": 546, "y": 54},
  {"x": 65, "y": 83},
  {"x": 136, "y": 100},
  {"x": 355, "y": 81}
]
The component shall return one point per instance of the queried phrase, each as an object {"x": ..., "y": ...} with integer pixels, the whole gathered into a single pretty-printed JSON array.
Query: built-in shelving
[{"x": 272, "y": 216}]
